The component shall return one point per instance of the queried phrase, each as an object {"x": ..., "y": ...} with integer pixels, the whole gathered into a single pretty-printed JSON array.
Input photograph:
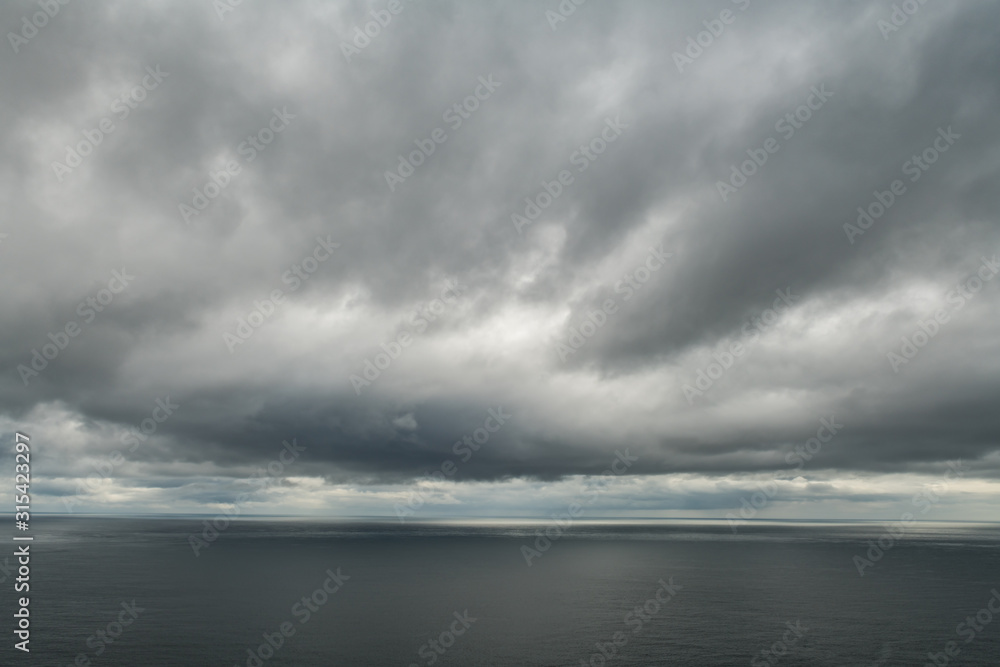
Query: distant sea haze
[{"x": 130, "y": 591}]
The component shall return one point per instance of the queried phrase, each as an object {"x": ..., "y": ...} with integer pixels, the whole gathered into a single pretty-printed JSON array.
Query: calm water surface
[{"x": 793, "y": 588}]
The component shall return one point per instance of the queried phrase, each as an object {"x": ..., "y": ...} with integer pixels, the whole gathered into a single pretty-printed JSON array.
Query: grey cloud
[{"x": 324, "y": 175}]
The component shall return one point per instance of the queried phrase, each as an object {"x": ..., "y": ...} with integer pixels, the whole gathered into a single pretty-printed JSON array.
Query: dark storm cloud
[{"x": 524, "y": 291}]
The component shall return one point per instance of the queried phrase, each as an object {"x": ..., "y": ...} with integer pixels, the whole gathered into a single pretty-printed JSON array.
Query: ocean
[{"x": 276, "y": 592}]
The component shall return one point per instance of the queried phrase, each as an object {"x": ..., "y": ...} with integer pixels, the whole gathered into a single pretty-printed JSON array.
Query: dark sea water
[{"x": 794, "y": 587}]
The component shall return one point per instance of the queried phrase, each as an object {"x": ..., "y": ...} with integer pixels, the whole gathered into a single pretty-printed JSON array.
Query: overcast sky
[{"x": 630, "y": 230}]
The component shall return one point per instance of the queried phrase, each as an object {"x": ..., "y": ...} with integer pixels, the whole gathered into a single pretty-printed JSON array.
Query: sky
[{"x": 425, "y": 259}]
